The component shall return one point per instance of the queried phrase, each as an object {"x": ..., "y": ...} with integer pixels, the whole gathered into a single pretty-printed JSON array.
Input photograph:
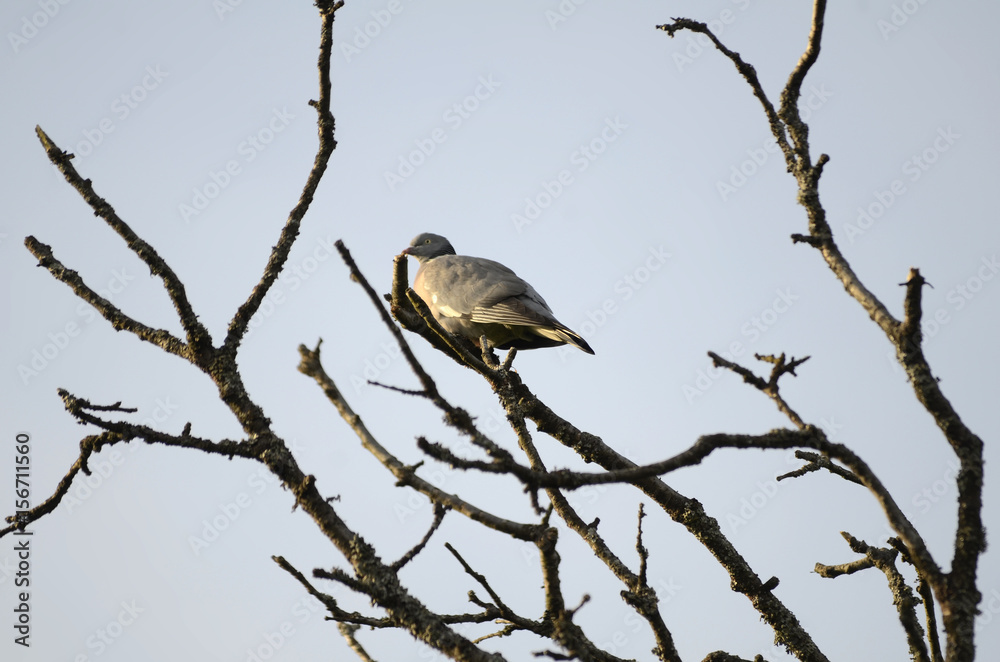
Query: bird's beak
[{"x": 406, "y": 251}]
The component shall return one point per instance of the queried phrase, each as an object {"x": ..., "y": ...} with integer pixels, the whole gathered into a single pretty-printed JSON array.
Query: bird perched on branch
[{"x": 472, "y": 297}]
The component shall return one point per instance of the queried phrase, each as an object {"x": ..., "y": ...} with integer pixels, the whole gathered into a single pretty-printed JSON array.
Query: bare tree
[{"x": 952, "y": 593}]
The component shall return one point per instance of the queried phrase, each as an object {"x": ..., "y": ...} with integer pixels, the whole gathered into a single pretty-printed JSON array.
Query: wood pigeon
[{"x": 472, "y": 297}]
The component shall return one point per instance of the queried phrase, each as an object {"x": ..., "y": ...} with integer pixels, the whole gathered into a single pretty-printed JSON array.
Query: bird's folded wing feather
[
  {"x": 513, "y": 311},
  {"x": 482, "y": 290}
]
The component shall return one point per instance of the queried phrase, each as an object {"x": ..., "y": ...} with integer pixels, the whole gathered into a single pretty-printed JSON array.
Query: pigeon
[{"x": 472, "y": 297}]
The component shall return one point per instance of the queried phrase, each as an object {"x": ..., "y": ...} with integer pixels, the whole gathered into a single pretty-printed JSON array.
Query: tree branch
[
  {"x": 498, "y": 609},
  {"x": 198, "y": 337},
  {"x": 439, "y": 513},
  {"x": 311, "y": 366},
  {"x": 336, "y": 613},
  {"x": 770, "y": 387},
  {"x": 119, "y": 320},
  {"x": 927, "y": 595},
  {"x": 902, "y": 595},
  {"x": 817, "y": 462},
  {"x": 789, "y": 111},
  {"x": 326, "y": 125},
  {"x": 348, "y": 630},
  {"x": 89, "y": 445},
  {"x": 957, "y": 592},
  {"x": 515, "y": 396},
  {"x": 749, "y": 74},
  {"x": 379, "y": 581}
]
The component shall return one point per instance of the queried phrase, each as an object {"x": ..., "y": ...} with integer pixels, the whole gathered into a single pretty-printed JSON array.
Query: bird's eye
[{"x": 427, "y": 241}]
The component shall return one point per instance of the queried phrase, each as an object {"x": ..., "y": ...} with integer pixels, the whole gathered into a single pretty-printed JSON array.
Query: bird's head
[{"x": 428, "y": 245}]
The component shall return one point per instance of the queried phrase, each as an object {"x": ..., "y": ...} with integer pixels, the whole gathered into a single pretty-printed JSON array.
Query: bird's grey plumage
[{"x": 473, "y": 296}]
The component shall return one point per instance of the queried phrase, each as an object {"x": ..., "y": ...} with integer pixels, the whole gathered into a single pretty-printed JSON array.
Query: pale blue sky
[{"x": 661, "y": 232}]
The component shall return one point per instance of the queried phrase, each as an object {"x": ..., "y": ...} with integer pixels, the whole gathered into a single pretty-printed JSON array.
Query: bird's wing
[{"x": 479, "y": 289}]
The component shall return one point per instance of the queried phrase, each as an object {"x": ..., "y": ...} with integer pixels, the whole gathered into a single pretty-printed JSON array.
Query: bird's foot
[{"x": 489, "y": 358}]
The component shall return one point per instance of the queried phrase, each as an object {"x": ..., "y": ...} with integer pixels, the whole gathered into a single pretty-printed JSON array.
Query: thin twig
[
  {"x": 480, "y": 579},
  {"x": 927, "y": 595},
  {"x": 88, "y": 445},
  {"x": 197, "y": 335},
  {"x": 789, "y": 110},
  {"x": 118, "y": 319},
  {"x": 311, "y": 366},
  {"x": 769, "y": 387},
  {"x": 816, "y": 462},
  {"x": 902, "y": 595},
  {"x": 439, "y": 513},
  {"x": 326, "y": 126},
  {"x": 330, "y": 602},
  {"x": 747, "y": 71},
  {"x": 956, "y": 591},
  {"x": 348, "y": 631}
]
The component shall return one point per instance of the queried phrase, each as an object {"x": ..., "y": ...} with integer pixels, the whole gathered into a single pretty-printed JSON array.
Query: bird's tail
[{"x": 566, "y": 335}]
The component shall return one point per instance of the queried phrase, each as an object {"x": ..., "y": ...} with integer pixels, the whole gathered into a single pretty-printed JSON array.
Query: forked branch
[{"x": 956, "y": 590}]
